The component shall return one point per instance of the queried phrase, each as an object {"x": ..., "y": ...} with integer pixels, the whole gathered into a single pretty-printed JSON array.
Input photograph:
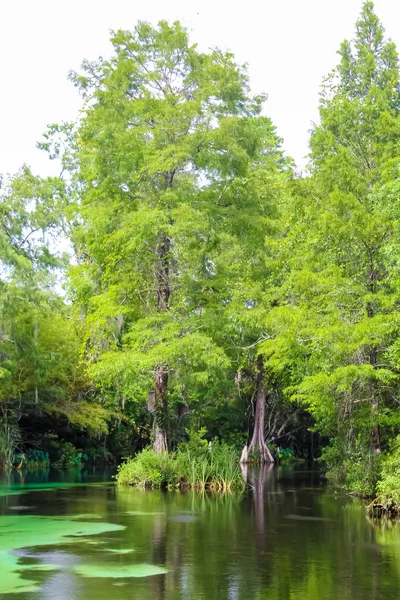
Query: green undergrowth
[
  {"x": 282, "y": 456},
  {"x": 196, "y": 464},
  {"x": 372, "y": 477},
  {"x": 387, "y": 501}
]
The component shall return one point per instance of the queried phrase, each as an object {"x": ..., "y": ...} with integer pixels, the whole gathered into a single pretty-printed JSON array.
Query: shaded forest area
[{"x": 181, "y": 275}]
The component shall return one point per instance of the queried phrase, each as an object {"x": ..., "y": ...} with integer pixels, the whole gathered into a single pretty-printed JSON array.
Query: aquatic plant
[
  {"x": 196, "y": 464},
  {"x": 33, "y": 459},
  {"x": 149, "y": 469},
  {"x": 29, "y": 531}
]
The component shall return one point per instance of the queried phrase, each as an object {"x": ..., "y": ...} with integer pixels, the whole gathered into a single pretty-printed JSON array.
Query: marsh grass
[{"x": 196, "y": 464}]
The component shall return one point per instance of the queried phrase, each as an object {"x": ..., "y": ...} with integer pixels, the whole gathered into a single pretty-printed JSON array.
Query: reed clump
[{"x": 197, "y": 464}]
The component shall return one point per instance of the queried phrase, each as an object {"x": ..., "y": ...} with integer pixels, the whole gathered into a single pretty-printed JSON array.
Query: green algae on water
[
  {"x": 22, "y": 531},
  {"x": 116, "y": 571},
  {"x": 140, "y": 513},
  {"x": 15, "y": 489}
]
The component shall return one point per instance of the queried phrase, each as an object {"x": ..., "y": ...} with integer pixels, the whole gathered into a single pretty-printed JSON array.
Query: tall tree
[
  {"x": 168, "y": 135},
  {"x": 241, "y": 280},
  {"x": 39, "y": 349},
  {"x": 341, "y": 316}
]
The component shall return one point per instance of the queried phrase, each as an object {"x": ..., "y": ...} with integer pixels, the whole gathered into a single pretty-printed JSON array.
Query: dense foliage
[{"x": 207, "y": 282}]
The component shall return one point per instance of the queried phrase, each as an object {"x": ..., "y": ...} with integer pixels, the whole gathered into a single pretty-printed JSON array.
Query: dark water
[{"x": 82, "y": 538}]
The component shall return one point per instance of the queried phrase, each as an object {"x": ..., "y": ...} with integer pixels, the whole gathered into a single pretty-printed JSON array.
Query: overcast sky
[{"x": 289, "y": 46}]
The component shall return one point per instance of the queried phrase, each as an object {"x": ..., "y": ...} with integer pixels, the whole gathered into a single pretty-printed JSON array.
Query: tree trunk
[
  {"x": 375, "y": 437},
  {"x": 163, "y": 294},
  {"x": 163, "y": 287},
  {"x": 257, "y": 443},
  {"x": 244, "y": 456},
  {"x": 161, "y": 410},
  {"x": 161, "y": 382}
]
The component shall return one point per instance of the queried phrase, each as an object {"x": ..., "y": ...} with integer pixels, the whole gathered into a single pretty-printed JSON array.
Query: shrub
[
  {"x": 353, "y": 467},
  {"x": 149, "y": 469},
  {"x": 286, "y": 456},
  {"x": 68, "y": 456},
  {"x": 388, "y": 486}
]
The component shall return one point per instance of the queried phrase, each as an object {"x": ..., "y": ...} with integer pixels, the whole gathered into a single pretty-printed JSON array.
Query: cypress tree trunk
[
  {"x": 161, "y": 376},
  {"x": 375, "y": 438},
  {"x": 160, "y": 410},
  {"x": 257, "y": 444}
]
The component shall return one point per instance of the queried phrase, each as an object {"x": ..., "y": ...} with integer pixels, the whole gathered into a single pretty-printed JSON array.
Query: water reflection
[
  {"x": 158, "y": 555},
  {"x": 288, "y": 538}
]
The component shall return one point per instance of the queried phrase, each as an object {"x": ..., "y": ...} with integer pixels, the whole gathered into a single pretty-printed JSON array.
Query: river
[{"x": 80, "y": 537}]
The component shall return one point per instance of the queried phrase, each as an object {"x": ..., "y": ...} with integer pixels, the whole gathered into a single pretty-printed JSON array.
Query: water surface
[{"x": 79, "y": 537}]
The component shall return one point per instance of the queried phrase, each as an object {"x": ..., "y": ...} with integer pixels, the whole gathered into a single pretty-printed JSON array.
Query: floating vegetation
[
  {"x": 22, "y": 531},
  {"x": 15, "y": 489},
  {"x": 84, "y": 516},
  {"x": 118, "y": 571},
  {"x": 139, "y": 513}
]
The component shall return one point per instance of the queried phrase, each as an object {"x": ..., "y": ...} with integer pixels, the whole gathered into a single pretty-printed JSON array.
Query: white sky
[{"x": 289, "y": 46}]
